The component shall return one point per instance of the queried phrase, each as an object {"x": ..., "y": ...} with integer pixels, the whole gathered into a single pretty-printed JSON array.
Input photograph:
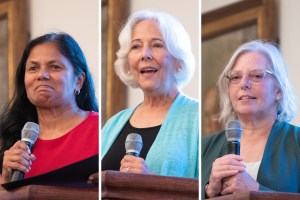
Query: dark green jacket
[{"x": 280, "y": 166}]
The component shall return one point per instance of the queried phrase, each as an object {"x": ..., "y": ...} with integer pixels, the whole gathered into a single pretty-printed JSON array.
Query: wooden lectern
[
  {"x": 119, "y": 185},
  {"x": 259, "y": 195},
  {"x": 69, "y": 182},
  {"x": 42, "y": 192}
]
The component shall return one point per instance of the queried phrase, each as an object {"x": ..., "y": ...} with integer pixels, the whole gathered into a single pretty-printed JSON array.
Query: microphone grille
[
  {"x": 30, "y": 132},
  {"x": 133, "y": 143},
  {"x": 233, "y": 130}
]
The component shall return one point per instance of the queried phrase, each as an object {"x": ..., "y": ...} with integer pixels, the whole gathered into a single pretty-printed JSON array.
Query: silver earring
[{"x": 77, "y": 92}]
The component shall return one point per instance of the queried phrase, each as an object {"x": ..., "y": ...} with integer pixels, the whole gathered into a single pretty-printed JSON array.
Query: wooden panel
[
  {"x": 259, "y": 195},
  {"x": 37, "y": 192},
  {"x": 115, "y": 89},
  {"x": 16, "y": 12},
  {"x": 241, "y": 14},
  {"x": 118, "y": 185}
]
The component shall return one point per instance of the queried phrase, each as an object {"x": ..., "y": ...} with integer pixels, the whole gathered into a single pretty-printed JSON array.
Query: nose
[
  {"x": 43, "y": 75},
  {"x": 146, "y": 53},
  {"x": 245, "y": 82}
]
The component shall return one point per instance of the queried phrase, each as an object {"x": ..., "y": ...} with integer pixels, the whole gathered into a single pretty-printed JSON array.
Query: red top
[{"x": 78, "y": 144}]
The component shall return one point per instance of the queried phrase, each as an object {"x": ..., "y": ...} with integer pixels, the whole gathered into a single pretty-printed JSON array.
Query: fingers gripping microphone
[
  {"x": 133, "y": 144},
  {"x": 30, "y": 133},
  {"x": 233, "y": 133}
]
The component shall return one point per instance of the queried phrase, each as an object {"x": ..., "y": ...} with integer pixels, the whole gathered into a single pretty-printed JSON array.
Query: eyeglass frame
[{"x": 250, "y": 78}]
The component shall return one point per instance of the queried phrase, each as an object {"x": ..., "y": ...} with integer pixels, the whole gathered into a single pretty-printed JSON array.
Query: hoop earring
[{"x": 77, "y": 92}]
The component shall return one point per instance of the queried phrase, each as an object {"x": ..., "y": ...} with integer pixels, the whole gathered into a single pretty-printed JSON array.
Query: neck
[
  {"x": 56, "y": 122},
  {"x": 152, "y": 100},
  {"x": 153, "y": 110},
  {"x": 260, "y": 126}
]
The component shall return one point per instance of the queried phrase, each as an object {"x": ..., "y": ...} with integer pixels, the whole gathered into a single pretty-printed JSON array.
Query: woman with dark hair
[{"x": 53, "y": 88}]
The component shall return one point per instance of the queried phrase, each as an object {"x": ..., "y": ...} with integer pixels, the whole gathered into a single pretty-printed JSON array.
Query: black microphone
[
  {"x": 233, "y": 133},
  {"x": 133, "y": 144},
  {"x": 30, "y": 133}
]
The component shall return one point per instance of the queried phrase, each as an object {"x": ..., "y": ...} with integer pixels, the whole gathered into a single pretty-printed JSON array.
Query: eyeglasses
[{"x": 254, "y": 76}]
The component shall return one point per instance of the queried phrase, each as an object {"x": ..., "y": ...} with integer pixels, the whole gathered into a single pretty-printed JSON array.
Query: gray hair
[
  {"x": 286, "y": 108},
  {"x": 177, "y": 42}
]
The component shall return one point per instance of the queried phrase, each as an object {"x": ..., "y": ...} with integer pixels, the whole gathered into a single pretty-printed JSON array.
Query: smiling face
[
  {"x": 251, "y": 99},
  {"x": 150, "y": 63},
  {"x": 49, "y": 77}
]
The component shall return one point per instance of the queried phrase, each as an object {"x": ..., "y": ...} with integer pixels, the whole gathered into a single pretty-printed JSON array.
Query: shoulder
[
  {"x": 186, "y": 100},
  {"x": 90, "y": 123},
  {"x": 287, "y": 130},
  {"x": 220, "y": 135},
  {"x": 118, "y": 119},
  {"x": 92, "y": 118},
  {"x": 93, "y": 115},
  {"x": 184, "y": 104},
  {"x": 212, "y": 140},
  {"x": 121, "y": 115}
]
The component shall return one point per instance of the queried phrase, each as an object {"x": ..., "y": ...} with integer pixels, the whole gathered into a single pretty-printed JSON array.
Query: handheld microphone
[
  {"x": 233, "y": 133},
  {"x": 30, "y": 133},
  {"x": 133, "y": 144}
]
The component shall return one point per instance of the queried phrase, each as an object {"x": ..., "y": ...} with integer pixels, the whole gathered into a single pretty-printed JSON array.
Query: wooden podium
[
  {"x": 42, "y": 192},
  {"x": 118, "y": 185},
  {"x": 259, "y": 195}
]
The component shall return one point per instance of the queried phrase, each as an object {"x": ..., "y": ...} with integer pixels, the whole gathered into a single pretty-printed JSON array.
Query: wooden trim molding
[
  {"x": 16, "y": 12},
  {"x": 115, "y": 90},
  {"x": 242, "y": 14}
]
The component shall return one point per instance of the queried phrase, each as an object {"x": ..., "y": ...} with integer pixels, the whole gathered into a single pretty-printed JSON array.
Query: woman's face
[
  {"x": 150, "y": 62},
  {"x": 49, "y": 77},
  {"x": 252, "y": 95}
]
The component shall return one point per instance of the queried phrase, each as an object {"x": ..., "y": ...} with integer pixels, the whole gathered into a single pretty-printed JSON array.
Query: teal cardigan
[
  {"x": 280, "y": 166},
  {"x": 175, "y": 149}
]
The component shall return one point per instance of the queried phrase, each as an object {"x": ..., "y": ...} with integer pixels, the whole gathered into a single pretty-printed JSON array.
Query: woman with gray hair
[
  {"x": 254, "y": 89},
  {"x": 155, "y": 56}
]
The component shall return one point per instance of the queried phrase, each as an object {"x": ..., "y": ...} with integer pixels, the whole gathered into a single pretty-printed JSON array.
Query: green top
[{"x": 280, "y": 166}]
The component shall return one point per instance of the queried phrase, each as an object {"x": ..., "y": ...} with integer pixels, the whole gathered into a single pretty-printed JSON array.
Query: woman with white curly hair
[
  {"x": 255, "y": 90},
  {"x": 155, "y": 56}
]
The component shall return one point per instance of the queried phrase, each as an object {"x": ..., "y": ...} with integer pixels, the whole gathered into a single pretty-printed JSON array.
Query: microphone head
[
  {"x": 133, "y": 144},
  {"x": 233, "y": 130},
  {"x": 30, "y": 132}
]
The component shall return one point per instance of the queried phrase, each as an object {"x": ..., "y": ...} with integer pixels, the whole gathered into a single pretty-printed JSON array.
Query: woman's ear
[
  {"x": 177, "y": 65},
  {"x": 80, "y": 80},
  {"x": 278, "y": 95}
]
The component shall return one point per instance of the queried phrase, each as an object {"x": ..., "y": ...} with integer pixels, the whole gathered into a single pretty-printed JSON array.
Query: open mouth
[
  {"x": 148, "y": 70},
  {"x": 246, "y": 97}
]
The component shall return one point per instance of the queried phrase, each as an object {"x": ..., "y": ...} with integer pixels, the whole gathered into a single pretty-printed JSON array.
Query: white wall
[
  {"x": 79, "y": 18},
  {"x": 289, "y": 32},
  {"x": 187, "y": 12}
]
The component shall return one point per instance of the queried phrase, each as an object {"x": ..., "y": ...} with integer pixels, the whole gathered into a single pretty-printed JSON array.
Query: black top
[{"x": 113, "y": 157}]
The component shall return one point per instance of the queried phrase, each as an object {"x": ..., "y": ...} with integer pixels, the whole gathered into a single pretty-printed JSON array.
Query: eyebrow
[
  {"x": 250, "y": 70},
  {"x": 37, "y": 63},
  {"x": 152, "y": 39}
]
